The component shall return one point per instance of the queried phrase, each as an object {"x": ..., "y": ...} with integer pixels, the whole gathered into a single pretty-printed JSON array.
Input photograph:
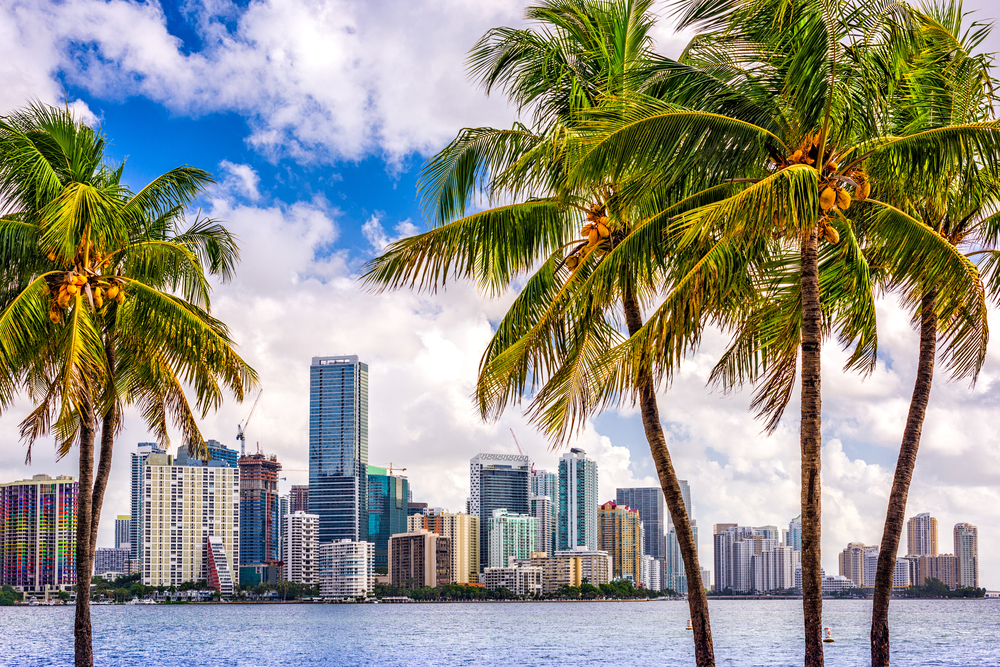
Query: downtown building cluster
[{"x": 762, "y": 559}]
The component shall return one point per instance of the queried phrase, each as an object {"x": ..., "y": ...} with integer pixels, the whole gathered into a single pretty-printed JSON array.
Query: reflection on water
[{"x": 746, "y": 633}]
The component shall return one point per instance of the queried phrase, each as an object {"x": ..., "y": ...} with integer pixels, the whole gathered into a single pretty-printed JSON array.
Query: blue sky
[{"x": 316, "y": 116}]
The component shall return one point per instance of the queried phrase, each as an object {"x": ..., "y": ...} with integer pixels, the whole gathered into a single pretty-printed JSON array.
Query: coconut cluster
[
  {"x": 65, "y": 287},
  {"x": 594, "y": 232},
  {"x": 833, "y": 193}
]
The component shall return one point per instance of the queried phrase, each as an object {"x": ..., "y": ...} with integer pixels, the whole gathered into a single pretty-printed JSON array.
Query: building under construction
[{"x": 259, "y": 509}]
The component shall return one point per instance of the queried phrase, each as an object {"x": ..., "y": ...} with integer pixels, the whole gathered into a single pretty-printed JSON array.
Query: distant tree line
[
  {"x": 619, "y": 590},
  {"x": 8, "y": 596},
  {"x": 935, "y": 588}
]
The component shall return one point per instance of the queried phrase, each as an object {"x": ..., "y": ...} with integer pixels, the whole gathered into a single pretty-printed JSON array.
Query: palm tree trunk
[
  {"x": 83, "y": 648},
  {"x": 810, "y": 442},
  {"x": 109, "y": 424},
  {"x": 905, "y": 463},
  {"x": 704, "y": 652}
]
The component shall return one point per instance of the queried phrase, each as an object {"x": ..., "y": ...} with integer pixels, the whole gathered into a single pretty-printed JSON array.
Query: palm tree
[
  {"x": 582, "y": 53},
  {"x": 104, "y": 305},
  {"x": 801, "y": 91},
  {"x": 943, "y": 85}
]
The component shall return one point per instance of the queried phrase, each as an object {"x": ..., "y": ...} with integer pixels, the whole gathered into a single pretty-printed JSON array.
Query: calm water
[{"x": 747, "y": 633}]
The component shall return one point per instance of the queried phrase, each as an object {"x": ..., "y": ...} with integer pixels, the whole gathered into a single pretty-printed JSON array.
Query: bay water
[{"x": 747, "y": 633}]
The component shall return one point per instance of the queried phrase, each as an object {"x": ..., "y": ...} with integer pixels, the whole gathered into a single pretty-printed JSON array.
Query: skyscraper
[
  {"x": 188, "y": 504},
  {"x": 387, "y": 503},
  {"x": 462, "y": 531},
  {"x": 793, "y": 538},
  {"x": 123, "y": 523},
  {"x": 546, "y": 484},
  {"x": 541, "y": 509},
  {"x": 577, "y": 500},
  {"x": 648, "y": 501},
  {"x": 619, "y": 532},
  {"x": 922, "y": 536},
  {"x": 38, "y": 533},
  {"x": 142, "y": 450},
  {"x": 967, "y": 555},
  {"x": 498, "y": 481},
  {"x": 219, "y": 452},
  {"x": 298, "y": 498},
  {"x": 338, "y": 447},
  {"x": 260, "y": 525},
  {"x": 301, "y": 548},
  {"x": 511, "y": 536},
  {"x": 674, "y": 572}
]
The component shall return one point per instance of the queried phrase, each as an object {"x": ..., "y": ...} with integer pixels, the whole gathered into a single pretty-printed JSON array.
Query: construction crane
[
  {"x": 240, "y": 428},
  {"x": 520, "y": 451},
  {"x": 391, "y": 468}
]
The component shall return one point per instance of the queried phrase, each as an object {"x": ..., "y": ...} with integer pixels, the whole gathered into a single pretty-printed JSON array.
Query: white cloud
[{"x": 239, "y": 179}]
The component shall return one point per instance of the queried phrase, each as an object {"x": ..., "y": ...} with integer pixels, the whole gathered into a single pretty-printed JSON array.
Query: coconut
[
  {"x": 72, "y": 290},
  {"x": 603, "y": 231},
  {"x": 112, "y": 292},
  {"x": 593, "y": 236},
  {"x": 831, "y": 235},
  {"x": 843, "y": 199},
  {"x": 55, "y": 316},
  {"x": 863, "y": 191},
  {"x": 571, "y": 263},
  {"x": 828, "y": 198}
]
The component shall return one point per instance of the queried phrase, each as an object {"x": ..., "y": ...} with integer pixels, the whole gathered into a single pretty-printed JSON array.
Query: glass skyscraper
[
  {"x": 648, "y": 501},
  {"x": 338, "y": 447},
  {"x": 577, "y": 501},
  {"x": 498, "y": 481},
  {"x": 259, "y": 506},
  {"x": 387, "y": 510},
  {"x": 139, "y": 456}
]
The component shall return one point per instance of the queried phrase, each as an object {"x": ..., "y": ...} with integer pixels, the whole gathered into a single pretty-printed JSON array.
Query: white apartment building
[
  {"x": 301, "y": 547},
  {"x": 518, "y": 579},
  {"x": 182, "y": 507},
  {"x": 652, "y": 573},
  {"x": 774, "y": 569},
  {"x": 346, "y": 569}
]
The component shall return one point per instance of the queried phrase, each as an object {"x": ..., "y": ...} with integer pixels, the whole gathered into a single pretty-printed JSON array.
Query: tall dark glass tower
[
  {"x": 338, "y": 447},
  {"x": 649, "y": 502},
  {"x": 498, "y": 481},
  {"x": 387, "y": 510}
]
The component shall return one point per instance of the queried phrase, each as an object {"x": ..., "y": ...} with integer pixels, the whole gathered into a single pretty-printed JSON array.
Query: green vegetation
[
  {"x": 935, "y": 588},
  {"x": 617, "y": 590},
  {"x": 8, "y": 596}
]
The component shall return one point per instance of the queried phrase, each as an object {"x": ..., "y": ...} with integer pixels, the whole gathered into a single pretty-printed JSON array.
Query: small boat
[
  {"x": 827, "y": 636},
  {"x": 689, "y": 625}
]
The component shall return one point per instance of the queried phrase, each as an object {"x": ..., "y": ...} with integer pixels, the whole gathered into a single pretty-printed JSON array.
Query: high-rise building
[
  {"x": 283, "y": 511},
  {"x": 511, "y": 536},
  {"x": 545, "y": 483},
  {"x": 675, "y": 574},
  {"x": 541, "y": 509},
  {"x": 619, "y": 532},
  {"x": 123, "y": 523},
  {"x": 387, "y": 507},
  {"x": 577, "y": 500},
  {"x": 967, "y": 555},
  {"x": 462, "y": 530},
  {"x": 110, "y": 560},
  {"x": 735, "y": 550},
  {"x": 38, "y": 533},
  {"x": 852, "y": 563},
  {"x": 419, "y": 558},
  {"x": 793, "y": 538},
  {"x": 219, "y": 452},
  {"x": 301, "y": 546},
  {"x": 298, "y": 498},
  {"x": 774, "y": 569},
  {"x": 185, "y": 503},
  {"x": 651, "y": 569},
  {"x": 518, "y": 579},
  {"x": 922, "y": 535},
  {"x": 143, "y": 450},
  {"x": 346, "y": 569},
  {"x": 497, "y": 481},
  {"x": 260, "y": 520},
  {"x": 871, "y": 566},
  {"x": 338, "y": 447},
  {"x": 648, "y": 501}
]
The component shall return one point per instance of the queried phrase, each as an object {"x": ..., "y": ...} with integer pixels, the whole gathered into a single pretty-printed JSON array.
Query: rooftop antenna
[{"x": 240, "y": 428}]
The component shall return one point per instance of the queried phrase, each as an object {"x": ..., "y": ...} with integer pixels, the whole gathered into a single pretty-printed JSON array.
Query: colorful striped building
[{"x": 38, "y": 533}]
